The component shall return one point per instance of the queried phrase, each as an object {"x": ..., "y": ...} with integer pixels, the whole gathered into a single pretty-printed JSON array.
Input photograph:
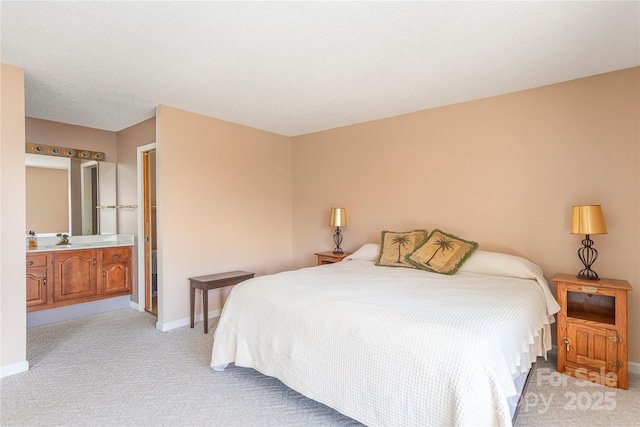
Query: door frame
[{"x": 142, "y": 296}]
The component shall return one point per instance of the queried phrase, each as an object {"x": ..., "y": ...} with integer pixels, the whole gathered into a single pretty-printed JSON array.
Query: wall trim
[
  {"x": 186, "y": 321},
  {"x": 14, "y": 368}
]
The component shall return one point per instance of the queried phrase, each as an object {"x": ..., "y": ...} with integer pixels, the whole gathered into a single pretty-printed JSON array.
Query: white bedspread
[{"x": 389, "y": 346}]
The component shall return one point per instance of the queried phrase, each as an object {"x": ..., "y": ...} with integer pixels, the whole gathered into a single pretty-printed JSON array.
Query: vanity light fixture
[
  {"x": 587, "y": 220},
  {"x": 62, "y": 151},
  {"x": 338, "y": 219}
]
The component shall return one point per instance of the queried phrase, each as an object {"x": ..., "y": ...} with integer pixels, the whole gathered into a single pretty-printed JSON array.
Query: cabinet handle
[
  {"x": 29, "y": 263},
  {"x": 104, "y": 272},
  {"x": 116, "y": 255},
  {"x": 94, "y": 260},
  {"x": 44, "y": 280}
]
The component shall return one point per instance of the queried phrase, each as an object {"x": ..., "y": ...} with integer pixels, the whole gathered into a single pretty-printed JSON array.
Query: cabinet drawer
[
  {"x": 36, "y": 260},
  {"x": 118, "y": 254}
]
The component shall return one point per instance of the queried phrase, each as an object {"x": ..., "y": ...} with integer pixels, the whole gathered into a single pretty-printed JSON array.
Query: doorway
[
  {"x": 148, "y": 291},
  {"x": 88, "y": 198}
]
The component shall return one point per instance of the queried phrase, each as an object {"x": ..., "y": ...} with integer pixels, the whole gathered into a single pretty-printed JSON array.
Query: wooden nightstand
[
  {"x": 592, "y": 329},
  {"x": 329, "y": 257}
]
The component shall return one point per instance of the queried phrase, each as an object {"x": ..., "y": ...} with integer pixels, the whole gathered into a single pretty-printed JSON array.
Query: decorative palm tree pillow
[
  {"x": 394, "y": 246},
  {"x": 441, "y": 253}
]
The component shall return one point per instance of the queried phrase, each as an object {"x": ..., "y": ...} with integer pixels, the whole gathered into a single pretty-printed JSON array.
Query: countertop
[{"x": 50, "y": 243}]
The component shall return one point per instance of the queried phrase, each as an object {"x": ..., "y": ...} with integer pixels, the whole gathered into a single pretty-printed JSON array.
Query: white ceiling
[{"x": 299, "y": 67}]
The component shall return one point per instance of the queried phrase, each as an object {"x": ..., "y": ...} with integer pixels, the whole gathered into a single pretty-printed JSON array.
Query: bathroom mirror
[{"x": 64, "y": 195}]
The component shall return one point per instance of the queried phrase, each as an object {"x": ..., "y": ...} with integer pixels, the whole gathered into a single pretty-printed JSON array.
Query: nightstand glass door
[{"x": 597, "y": 307}]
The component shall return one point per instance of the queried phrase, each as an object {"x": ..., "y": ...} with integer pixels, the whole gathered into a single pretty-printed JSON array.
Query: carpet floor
[{"x": 116, "y": 369}]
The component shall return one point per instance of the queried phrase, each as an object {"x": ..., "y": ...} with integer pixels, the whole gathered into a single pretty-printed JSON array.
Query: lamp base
[
  {"x": 337, "y": 239},
  {"x": 588, "y": 256},
  {"x": 587, "y": 274}
]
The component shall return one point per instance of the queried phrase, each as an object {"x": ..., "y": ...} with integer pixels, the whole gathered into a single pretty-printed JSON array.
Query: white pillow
[
  {"x": 497, "y": 264},
  {"x": 367, "y": 252}
]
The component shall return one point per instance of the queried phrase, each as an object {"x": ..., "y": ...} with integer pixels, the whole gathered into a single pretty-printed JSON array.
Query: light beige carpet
[
  {"x": 554, "y": 399},
  {"x": 116, "y": 369}
]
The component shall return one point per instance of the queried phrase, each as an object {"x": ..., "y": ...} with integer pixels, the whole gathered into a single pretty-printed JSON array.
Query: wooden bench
[{"x": 213, "y": 281}]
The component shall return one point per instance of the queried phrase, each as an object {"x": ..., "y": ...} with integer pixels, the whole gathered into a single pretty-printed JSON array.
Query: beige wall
[
  {"x": 48, "y": 201},
  {"x": 224, "y": 203},
  {"x": 119, "y": 147},
  {"x": 13, "y": 320},
  {"x": 128, "y": 141},
  {"x": 47, "y": 132},
  {"x": 503, "y": 171},
  {"x": 65, "y": 135}
]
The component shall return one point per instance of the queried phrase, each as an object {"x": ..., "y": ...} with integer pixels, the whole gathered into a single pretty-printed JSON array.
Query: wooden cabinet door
[
  {"x": 38, "y": 280},
  {"x": 116, "y": 271},
  {"x": 592, "y": 348},
  {"x": 75, "y": 274}
]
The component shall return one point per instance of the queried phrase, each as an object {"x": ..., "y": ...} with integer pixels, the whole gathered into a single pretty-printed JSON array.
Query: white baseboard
[
  {"x": 164, "y": 327},
  {"x": 134, "y": 305},
  {"x": 14, "y": 368}
]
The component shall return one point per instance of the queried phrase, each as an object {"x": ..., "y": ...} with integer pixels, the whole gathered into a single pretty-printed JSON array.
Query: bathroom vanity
[{"x": 89, "y": 268}]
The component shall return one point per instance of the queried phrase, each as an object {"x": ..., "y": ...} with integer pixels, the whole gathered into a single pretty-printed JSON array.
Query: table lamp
[
  {"x": 338, "y": 219},
  {"x": 587, "y": 220}
]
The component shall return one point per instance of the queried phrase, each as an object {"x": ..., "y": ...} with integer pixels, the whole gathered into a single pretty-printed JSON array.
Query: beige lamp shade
[
  {"x": 338, "y": 217},
  {"x": 588, "y": 219}
]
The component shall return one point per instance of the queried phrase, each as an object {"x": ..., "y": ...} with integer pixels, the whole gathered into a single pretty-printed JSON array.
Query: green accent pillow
[
  {"x": 442, "y": 253},
  {"x": 394, "y": 246}
]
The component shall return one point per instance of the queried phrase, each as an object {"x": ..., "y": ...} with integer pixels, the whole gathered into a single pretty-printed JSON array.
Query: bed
[{"x": 395, "y": 346}]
